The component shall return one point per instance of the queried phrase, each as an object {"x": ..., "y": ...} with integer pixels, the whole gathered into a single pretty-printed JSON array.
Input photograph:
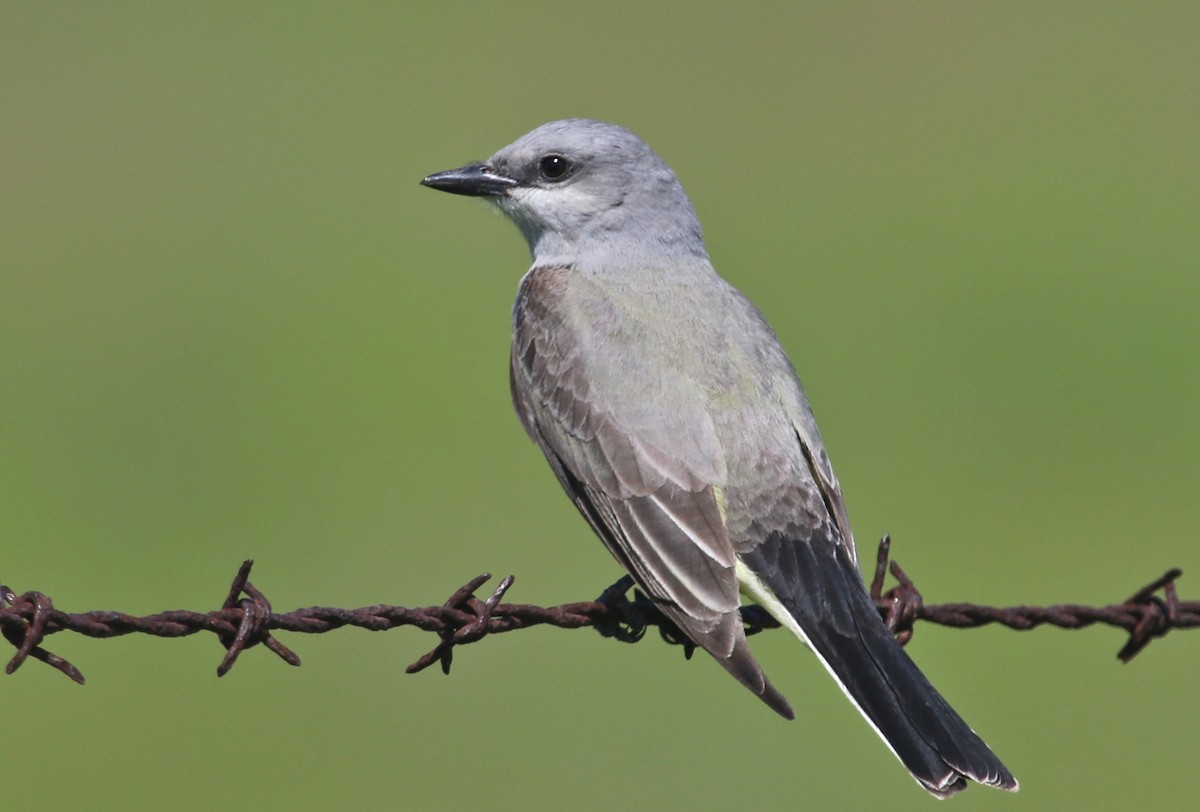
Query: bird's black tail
[{"x": 819, "y": 586}]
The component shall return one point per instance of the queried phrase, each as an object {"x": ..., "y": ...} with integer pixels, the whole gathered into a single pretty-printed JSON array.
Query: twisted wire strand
[{"x": 246, "y": 618}]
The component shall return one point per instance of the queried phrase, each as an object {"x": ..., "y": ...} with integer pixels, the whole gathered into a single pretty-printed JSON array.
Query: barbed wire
[{"x": 246, "y": 619}]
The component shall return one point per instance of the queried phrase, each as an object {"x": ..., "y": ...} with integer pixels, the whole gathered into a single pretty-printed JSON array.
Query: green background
[{"x": 232, "y": 325}]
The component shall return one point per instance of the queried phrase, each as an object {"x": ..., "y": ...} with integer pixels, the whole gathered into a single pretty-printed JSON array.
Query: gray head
[{"x": 585, "y": 191}]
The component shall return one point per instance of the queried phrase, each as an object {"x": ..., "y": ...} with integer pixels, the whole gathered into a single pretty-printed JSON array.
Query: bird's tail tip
[
  {"x": 955, "y": 781},
  {"x": 776, "y": 701}
]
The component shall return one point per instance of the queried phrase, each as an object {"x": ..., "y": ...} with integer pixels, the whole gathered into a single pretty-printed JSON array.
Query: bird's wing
[{"x": 647, "y": 483}]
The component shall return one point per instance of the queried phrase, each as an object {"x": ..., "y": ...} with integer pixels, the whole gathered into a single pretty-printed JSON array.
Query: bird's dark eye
[{"x": 554, "y": 167}]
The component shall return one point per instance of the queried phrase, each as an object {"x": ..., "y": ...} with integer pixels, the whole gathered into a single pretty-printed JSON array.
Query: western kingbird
[{"x": 675, "y": 422}]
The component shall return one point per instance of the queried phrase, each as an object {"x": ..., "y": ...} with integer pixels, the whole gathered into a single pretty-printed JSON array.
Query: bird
[{"x": 676, "y": 423}]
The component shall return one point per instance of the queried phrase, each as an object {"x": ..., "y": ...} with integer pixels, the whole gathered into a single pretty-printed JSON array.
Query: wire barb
[
  {"x": 1158, "y": 616},
  {"x": 463, "y": 600},
  {"x": 246, "y": 618},
  {"x": 251, "y": 629},
  {"x": 901, "y": 605},
  {"x": 26, "y": 637}
]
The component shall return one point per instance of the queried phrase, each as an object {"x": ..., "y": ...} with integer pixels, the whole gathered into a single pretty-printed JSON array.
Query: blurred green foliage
[{"x": 231, "y": 325}]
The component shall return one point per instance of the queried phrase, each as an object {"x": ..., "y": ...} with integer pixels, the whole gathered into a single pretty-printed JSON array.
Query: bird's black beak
[{"x": 477, "y": 180}]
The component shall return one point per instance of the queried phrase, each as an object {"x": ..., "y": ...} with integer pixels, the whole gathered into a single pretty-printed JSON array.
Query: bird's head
[{"x": 584, "y": 191}]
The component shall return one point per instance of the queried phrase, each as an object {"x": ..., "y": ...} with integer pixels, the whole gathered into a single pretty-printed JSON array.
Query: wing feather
[{"x": 646, "y": 482}]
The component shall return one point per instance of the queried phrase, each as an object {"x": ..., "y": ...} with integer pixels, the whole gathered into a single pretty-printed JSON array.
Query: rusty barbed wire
[{"x": 246, "y": 619}]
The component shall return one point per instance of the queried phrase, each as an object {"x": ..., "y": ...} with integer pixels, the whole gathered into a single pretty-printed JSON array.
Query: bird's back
[{"x": 677, "y": 355}]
